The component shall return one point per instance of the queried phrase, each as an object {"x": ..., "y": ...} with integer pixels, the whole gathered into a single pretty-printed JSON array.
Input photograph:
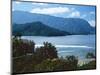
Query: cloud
[
  {"x": 75, "y": 14},
  {"x": 17, "y": 2},
  {"x": 84, "y": 16},
  {"x": 51, "y": 10},
  {"x": 13, "y": 9},
  {"x": 92, "y": 23},
  {"x": 42, "y": 4},
  {"x": 72, "y": 9},
  {"x": 92, "y": 13}
]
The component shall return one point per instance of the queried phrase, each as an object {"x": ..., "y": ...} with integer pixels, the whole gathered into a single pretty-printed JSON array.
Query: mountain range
[
  {"x": 36, "y": 29},
  {"x": 76, "y": 26}
]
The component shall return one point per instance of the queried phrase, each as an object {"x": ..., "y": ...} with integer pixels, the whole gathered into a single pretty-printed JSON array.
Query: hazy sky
[{"x": 59, "y": 10}]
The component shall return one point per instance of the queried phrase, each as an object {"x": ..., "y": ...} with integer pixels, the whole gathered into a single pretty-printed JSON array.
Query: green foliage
[
  {"x": 17, "y": 35},
  {"x": 22, "y": 47},
  {"x": 24, "y": 64},
  {"x": 72, "y": 62},
  {"x": 48, "y": 51},
  {"x": 90, "y": 65},
  {"x": 57, "y": 65},
  {"x": 27, "y": 58},
  {"x": 90, "y": 55}
]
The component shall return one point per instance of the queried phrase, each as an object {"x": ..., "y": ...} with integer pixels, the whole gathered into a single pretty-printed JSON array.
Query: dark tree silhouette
[
  {"x": 48, "y": 51},
  {"x": 17, "y": 35},
  {"x": 90, "y": 55},
  {"x": 57, "y": 65},
  {"x": 72, "y": 62},
  {"x": 22, "y": 47}
]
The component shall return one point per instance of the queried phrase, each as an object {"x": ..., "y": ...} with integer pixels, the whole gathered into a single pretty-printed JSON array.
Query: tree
[
  {"x": 88, "y": 66},
  {"x": 48, "y": 51},
  {"x": 72, "y": 62},
  {"x": 17, "y": 35},
  {"x": 90, "y": 55},
  {"x": 22, "y": 61},
  {"x": 22, "y": 47},
  {"x": 56, "y": 64}
]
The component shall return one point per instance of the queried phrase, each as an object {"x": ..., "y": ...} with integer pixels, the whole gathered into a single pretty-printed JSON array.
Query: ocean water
[{"x": 77, "y": 45}]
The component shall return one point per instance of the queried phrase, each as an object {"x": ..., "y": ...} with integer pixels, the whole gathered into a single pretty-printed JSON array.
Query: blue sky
[{"x": 59, "y": 10}]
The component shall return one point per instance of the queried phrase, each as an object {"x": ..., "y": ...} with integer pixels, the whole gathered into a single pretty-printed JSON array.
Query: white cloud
[
  {"x": 75, "y": 14},
  {"x": 84, "y": 16},
  {"x": 92, "y": 23},
  {"x": 72, "y": 9},
  {"x": 17, "y": 2},
  {"x": 13, "y": 9},
  {"x": 45, "y": 4},
  {"x": 92, "y": 13},
  {"x": 51, "y": 10}
]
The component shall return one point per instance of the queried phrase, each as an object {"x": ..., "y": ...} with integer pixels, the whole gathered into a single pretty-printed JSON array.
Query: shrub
[
  {"x": 48, "y": 51},
  {"x": 57, "y": 64},
  {"x": 90, "y": 55},
  {"x": 22, "y": 47},
  {"x": 90, "y": 65}
]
